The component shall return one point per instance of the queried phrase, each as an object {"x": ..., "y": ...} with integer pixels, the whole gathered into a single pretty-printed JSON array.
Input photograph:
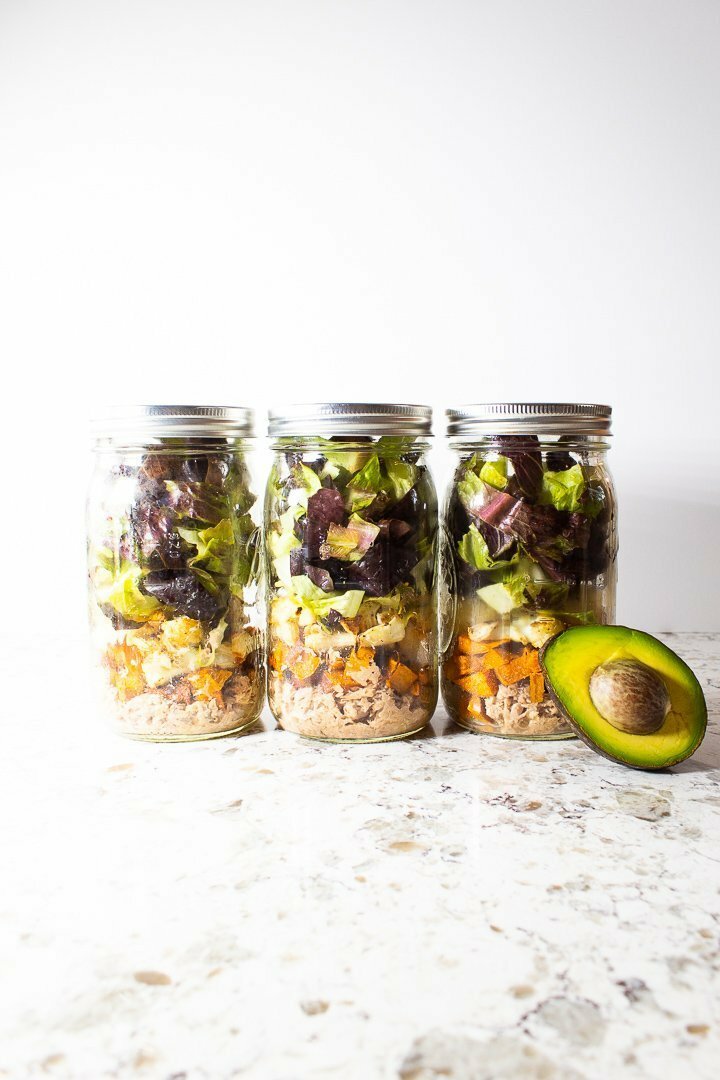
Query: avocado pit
[{"x": 630, "y": 696}]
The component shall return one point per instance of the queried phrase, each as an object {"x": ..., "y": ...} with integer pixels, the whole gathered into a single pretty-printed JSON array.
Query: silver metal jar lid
[
  {"x": 531, "y": 417},
  {"x": 173, "y": 421},
  {"x": 350, "y": 418}
]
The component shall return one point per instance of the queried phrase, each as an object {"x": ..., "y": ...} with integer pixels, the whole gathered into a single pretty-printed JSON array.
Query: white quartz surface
[{"x": 264, "y": 907}]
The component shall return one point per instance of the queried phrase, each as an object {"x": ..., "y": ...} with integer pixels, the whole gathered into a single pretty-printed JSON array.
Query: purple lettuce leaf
[
  {"x": 320, "y": 577},
  {"x": 383, "y": 568},
  {"x": 197, "y": 501},
  {"x": 592, "y": 554},
  {"x": 559, "y": 460},
  {"x": 297, "y": 562},
  {"x": 181, "y": 591},
  {"x": 159, "y": 545},
  {"x": 394, "y": 529},
  {"x": 523, "y": 452},
  {"x": 325, "y": 508}
]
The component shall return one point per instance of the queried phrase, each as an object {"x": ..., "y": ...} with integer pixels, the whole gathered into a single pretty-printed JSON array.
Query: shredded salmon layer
[{"x": 326, "y": 711}]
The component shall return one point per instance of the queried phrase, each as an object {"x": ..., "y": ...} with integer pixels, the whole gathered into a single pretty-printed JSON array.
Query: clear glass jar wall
[
  {"x": 174, "y": 567},
  {"x": 529, "y": 548},
  {"x": 351, "y": 523}
]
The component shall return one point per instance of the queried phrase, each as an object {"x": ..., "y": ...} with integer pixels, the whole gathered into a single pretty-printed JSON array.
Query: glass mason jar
[
  {"x": 351, "y": 528},
  {"x": 529, "y": 548},
  {"x": 175, "y": 597}
]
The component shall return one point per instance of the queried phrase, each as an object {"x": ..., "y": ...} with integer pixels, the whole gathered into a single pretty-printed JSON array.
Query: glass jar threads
[
  {"x": 351, "y": 523},
  {"x": 173, "y": 567},
  {"x": 529, "y": 548}
]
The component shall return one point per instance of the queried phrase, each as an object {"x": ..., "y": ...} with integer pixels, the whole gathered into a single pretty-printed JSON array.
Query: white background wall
[{"x": 246, "y": 202}]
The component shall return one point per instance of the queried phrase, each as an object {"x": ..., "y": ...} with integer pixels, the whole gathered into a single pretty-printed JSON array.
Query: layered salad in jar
[
  {"x": 174, "y": 606},
  {"x": 351, "y": 546},
  {"x": 530, "y": 550}
]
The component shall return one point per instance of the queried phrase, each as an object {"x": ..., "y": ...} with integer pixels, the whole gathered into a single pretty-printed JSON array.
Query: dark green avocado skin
[{"x": 583, "y": 735}]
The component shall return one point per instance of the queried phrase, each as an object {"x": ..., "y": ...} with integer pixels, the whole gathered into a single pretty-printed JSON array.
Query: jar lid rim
[
  {"x": 537, "y": 417},
  {"x": 350, "y": 418},
  {"x": 173, "y": 421}
]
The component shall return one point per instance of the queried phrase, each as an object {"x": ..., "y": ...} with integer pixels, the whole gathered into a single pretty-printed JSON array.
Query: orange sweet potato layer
[
  {"x": 479, "y": 668},
  {"x": 537, "y": 687},
  {"x": 466, "y": 645},
  {"x": 460, "y": 665},
  {"x": 480, "y": 684},
  {"x": 519, "y": 667},
  {"x": 401, "y": 677}
]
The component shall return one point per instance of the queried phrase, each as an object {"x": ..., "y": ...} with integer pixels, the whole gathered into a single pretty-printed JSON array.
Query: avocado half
[{"x": 573, "y": 657}]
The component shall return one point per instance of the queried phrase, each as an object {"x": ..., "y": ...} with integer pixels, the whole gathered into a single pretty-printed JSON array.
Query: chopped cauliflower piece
[
  {"x": 388, "y": 633},
  {"x": 284, "y": 620},
  {"x": 242, "y": 643},
  {"x": 541, "y": 630},
  {"x": 320, "y": 641},
  {"x": 181, "y": 632}
]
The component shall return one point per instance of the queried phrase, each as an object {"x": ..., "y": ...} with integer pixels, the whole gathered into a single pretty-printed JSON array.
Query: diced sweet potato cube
[
  {"x": 278, "y": 655},
  {"x": 533, "y": 656},
  {"x": 207, "y": 684},
  {"x": 494, "y": 659},
  {"x": 519, "y": 667},
  {"x": 537, "y": 687},
  {"x": 303, "y": 663},
  {"x": 467, "y": 665},
  {"x": 458, "y": 666},
  {"x": 359, "y": 668},
  {"x": 480, "y": 683},
  {"x": 472, "y": 648},
  {"x": 336, "y": 676},
  {"x": 450, "y": 668},
  {"x": 126, "y": 673},
  {"x": 400, "y": 677},
  {"x": 365, "y": 654}
]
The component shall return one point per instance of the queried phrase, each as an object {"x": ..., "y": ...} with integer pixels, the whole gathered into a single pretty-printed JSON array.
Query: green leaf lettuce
[
  {"x": 563, "y": 490},
  {"x": 320, "y": 603}
]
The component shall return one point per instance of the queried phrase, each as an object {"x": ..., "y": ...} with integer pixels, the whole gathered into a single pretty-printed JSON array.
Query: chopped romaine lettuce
[
  {"x": 321, "y": 603},
  {"x": 518, "y": 587},
  {"x": 364, "y": 486},
  {"x": 471, "y": 489},
  {"x": 563, "y": 490},
  {"x": 350, "y": 460},
  {"x": 120, "y": 591},
  {"x": 330, "y": 471},
  {"x": 214, "y": 547},
  {"x": 284, "y": 541},
  {"x": 495, "y": 473},
  {"x": 400, "y": 477},
  {"x": 498, "y": 597},
  {"x": 474, "y": 550},
  {"x": 305, "y": 483},
  {"x": 349, "y": 542}
]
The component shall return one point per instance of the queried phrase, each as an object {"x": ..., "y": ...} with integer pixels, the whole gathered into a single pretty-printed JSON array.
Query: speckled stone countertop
[{"x": 263, "y": 907}]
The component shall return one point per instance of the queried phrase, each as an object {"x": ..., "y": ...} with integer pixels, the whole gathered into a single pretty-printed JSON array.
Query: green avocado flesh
[{"x": 569, "y": 661}]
